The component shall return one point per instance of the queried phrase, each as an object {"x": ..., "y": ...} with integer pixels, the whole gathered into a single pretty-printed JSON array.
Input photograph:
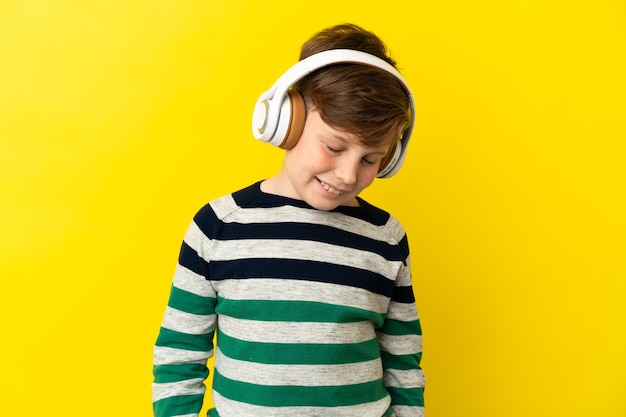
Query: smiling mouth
[{"x": 330, "y": 189}]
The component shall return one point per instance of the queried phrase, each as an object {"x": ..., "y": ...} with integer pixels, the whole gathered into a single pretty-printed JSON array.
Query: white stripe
[
  {"x": 298, "y": 375},
  {"x": 227, "y": 211},
  {"x": 394, "y": 227},
  {"x": 171, "y": 389},
  {"x": 224, "y": 207},
  {"x": 189, "y": 281},
  {"x": 228, "y": 250},
  {"x": 406, "y": 410},
  {"x": 181, "y": 321},
  {"x": 402, "y": 311},
  {"x": 293, "y": 249},
  {"x": 230, "y": 408},
  {"x": 296, "y": 332},
  {"x": 400, "y": 345},
  {"x": 172, "y": 356},
  {"x": 409, "y": 378},
  {"x": 277, "y": 289},
  {"x": 404, "y": 277},
  {"x": 195, "y": 238}
]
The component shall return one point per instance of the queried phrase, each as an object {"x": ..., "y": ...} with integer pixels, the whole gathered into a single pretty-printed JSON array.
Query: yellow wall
[{"x": 118, "y": 119}]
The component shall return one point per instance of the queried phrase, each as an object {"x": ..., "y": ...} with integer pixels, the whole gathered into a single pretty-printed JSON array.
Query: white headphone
[{"x": 279, "y": 114}]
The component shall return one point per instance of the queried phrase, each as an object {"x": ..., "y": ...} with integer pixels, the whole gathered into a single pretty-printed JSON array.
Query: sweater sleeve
[
  {"x": 185, "y": 340},
  {"x": 400, "y": 340}
]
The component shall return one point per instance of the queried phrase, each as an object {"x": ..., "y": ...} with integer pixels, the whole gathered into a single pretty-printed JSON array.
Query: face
[{"x": 327, "y": 167}]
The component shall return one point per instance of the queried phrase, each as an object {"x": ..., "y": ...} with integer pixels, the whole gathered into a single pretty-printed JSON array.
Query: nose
[{"x": 347, "y": 171}]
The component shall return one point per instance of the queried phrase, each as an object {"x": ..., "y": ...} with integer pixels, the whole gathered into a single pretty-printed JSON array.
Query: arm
[
  {"x": 400, "y": 340},
  {"x": 185, "y": 340}
]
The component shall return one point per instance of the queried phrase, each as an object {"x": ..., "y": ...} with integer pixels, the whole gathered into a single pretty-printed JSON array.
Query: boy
[{"x": 306, "y": 285}]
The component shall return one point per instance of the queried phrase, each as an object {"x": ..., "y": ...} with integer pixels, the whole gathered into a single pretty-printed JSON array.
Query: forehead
[{"x": 330, "y": 132}]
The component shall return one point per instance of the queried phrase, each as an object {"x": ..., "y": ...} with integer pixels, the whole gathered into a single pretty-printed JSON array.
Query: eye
[{"x": 332, "y": 149}]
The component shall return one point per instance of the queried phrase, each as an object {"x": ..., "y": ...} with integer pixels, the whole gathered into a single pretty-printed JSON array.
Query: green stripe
[
  {"x": 401, "y": 328},
  {"x": 177, "y": 340},
  {"x": 407, "y": 396},
  {"x": 178, "y": 406},
  {"x": 389, "y": 412},
  {"x": 175, "y": 373},
  {"x": 191, "y": 303},
  {"x": 298, "y": 353},
  {"x": 401, "y": 362},
  {"x": 295, "y": 311},
  {"x": 287, "y": 396}
]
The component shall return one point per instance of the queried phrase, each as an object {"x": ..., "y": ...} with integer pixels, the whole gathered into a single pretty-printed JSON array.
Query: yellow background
[{"x": 119, "y": 119}]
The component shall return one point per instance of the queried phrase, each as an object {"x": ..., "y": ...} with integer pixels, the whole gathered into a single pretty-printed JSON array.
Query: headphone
[{"x": 280, "y": 113}]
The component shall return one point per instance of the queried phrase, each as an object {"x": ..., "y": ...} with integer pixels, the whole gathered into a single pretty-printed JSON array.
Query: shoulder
[
  {"x": 387, "y": 226},
  {"x": 222, "y": 209},
  {"x": 381, "y": 218}
]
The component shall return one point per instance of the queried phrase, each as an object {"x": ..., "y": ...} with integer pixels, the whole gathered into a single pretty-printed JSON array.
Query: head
[
  {"x": 365, "y": 101},
  {"x": 339, "y": 122}
]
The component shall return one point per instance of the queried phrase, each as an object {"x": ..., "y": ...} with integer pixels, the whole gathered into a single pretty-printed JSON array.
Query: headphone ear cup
[
  {"x": 391, "y": 160},
  {"x": 296, "y": 119}
]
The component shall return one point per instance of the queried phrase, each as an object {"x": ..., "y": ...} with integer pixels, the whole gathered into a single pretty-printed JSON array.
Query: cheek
[
  {"x": 307, "y": 160},
  {"x": 368, "y": 175},
  {"x": 316, "y": 159}
]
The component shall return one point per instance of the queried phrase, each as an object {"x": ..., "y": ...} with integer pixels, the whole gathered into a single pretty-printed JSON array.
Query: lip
[{"x": 330, "y": 190}]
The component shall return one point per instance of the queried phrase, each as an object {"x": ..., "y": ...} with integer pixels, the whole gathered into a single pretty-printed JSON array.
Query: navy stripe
[
  {"x": 253, "y": 197},
  {"x": 302, "y": 270},
  {"x": 404, "y": 245},
  {"x": 403, "y": 295},
  {"x": 190, "y": 259},
  {"x": 310, "y": 232},
  {"x": 206, "y": 217}
]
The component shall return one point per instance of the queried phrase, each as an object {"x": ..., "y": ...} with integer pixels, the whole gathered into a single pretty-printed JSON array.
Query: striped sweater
[{"x": 312, "y": 311}]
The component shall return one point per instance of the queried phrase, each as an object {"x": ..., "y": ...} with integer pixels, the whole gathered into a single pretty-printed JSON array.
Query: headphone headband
[{"x": 268, "y": 121}]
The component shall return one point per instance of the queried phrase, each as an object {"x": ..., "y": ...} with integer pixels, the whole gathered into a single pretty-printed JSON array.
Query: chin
[
  {"x": 323, "y": 204},
  {"x": 323, "y": 207},
  {"x": 331, "y": 204}
]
